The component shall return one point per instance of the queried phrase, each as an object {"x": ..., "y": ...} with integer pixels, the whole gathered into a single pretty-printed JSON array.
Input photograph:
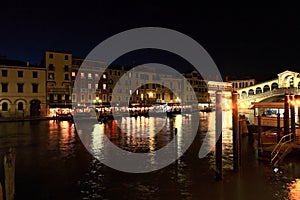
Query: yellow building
[
  {"x": 59, "y": 67},
  {"x": 23, "y": 89}
]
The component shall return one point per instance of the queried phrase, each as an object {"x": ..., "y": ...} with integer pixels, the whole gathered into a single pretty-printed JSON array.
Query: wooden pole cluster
[
  {"x": 9, "y": 174},
  {"x": 235, "y": 132},
  {"x": 219, "y": 171}
]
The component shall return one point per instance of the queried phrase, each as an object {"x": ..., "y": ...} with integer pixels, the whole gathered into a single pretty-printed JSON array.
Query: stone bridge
[{"x": 286, "y": 81}]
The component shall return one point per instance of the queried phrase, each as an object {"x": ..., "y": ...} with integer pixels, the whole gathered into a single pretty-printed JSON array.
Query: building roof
[{"x": 7, "y": 62}]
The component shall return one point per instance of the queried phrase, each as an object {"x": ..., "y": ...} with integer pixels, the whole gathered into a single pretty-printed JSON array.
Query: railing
[{"x": 281, "y": 146}]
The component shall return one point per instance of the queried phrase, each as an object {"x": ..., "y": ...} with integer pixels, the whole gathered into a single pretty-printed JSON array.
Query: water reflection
[
  {"x": 53, "y": 164},
  {"x": 294, "y": 190}
]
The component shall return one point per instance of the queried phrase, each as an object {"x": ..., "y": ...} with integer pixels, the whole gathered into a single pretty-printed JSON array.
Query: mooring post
[
  {"x": 292, "y": 106},
  {"x": 278, "y": 127},
  {"x": 235, "y": 131},
  {"x": 9, "y": 174},
  {"x": 218, "y": 135},
  {"x": 1, "y": 192},
  {"x": 286, "y": 114},
  {"x": 259, "y": 135}
]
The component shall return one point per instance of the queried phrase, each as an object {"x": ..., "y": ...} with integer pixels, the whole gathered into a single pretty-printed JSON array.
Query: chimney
[{"x": 27, "y": 63}]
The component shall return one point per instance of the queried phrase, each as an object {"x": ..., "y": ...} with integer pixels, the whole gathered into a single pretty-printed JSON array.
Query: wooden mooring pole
[
  {"x": 1, "y": 192},
  {"x": 278, "y": 127},
  {"x": 292, "y": 106},
  {"x": 286, "y": 114},
  {"x": 9, "y": 174},
  {"x": 235, "y": 132},
  {"x": 219, "y": 170}
]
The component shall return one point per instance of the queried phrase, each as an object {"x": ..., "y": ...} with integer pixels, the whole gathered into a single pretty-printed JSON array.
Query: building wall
[
  {"x": 26, "y": 96},
  {"x": 59, "y": 68}
]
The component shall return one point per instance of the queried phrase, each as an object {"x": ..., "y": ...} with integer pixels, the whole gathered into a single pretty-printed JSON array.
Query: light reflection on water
[
  {"x": 294, "y": 187},
  {"x": 52, "y": 163}
]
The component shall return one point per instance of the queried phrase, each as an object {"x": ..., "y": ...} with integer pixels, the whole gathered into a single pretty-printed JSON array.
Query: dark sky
[{"x": 248, "y": 41}]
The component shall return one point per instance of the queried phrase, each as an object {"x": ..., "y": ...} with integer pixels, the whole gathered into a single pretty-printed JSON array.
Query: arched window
[
  {"x": 20, "y": 106},
  {"x": 4, "y": 106}
]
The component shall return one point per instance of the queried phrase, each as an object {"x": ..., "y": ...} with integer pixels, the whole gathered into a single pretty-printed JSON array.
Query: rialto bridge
[{"x": 287, "y": 81}]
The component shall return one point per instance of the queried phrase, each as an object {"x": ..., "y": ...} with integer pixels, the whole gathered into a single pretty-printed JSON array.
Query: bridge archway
[
  {"x": 250, "y": 92},
  {"x": 244, "y": 94},
  {"x": 266, "y": 88},
  {"x": 258, "y": 90},
  {"x": 274, "y": 86}
]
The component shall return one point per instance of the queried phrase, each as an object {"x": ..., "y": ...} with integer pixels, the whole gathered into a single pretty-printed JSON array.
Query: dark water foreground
[{"x": 52, "y": 163}]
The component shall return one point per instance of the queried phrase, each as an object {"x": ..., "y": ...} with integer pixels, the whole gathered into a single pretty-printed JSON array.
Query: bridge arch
[
  {"x": 251, "y": 92},
  {"x": 258, "y": 90},
  {"x": 244, "y": 94},
  {"x": 266, "y": 88},
  {"x": 274, "y": 86}
]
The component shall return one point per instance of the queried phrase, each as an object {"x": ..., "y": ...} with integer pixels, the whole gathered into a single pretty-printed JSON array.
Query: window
[
  {"x": 51, "y": 76},
  {"x": 119, "y": 73},
  {"x": 4, "y": 73},
  {"x": 74, "y": 96},
  {"x": 51, "y": 55},
  {"x": 82, "y": 97},
  {"x": 66, "y": 57},
  {"x": 66, "y": 76},
  {"x": 20, "y": 87},
  {"x": 66, "y": 68},
  {"x": 67, "y": 97},
  {"x": 20, "y": 106},
  {"x": 82, "y": 75},
  {"x": 96, "y": 86},
  {"x": 89, "y": 76},
  {"x": 104, "y": 86},
  {"x": 73, "y": 74},
  {"x": 4, "y": 87},
  {"x": 51, "y": 97},
  {"x": 59, "y": 97},
  {"x": 89, "y": 86},
  {"x": 35, "y": 88},
  {"x": 34, "y": 74},
  {"x": 51, "y": 67},
  {"x": 96, "y": 75},
  {"x": 20, "y": 74},
  {"x": 4, "y": 106},
  {"x": 104, "y": 76},
  {"x": 90, "y": 97}
]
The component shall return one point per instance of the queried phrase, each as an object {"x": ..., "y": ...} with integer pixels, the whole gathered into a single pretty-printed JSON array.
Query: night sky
[{"x": 242, "y": 42}]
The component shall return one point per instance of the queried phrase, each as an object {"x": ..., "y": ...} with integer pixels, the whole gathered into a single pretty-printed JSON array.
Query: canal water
[{"x": 52, "y": 163}]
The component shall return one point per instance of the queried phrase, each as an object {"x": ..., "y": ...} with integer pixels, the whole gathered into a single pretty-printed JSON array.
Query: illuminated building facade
[
  {"x": 58, "y": 81},
  {"x": 23, "y": 89}
]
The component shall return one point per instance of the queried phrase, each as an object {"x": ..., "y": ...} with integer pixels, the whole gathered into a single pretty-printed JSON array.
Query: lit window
[
  {"x": 89, "y": 86},
  {"x": 82, "y": 75},
  {"x": 96, "y": 75},
  {"x": 73, "y": 74},
  {"x": 104, "y": 86},
  {"x": 104, "y": 76},
  {"x": 89, "y": 76},
  {"x": 96, "y": 86}
]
